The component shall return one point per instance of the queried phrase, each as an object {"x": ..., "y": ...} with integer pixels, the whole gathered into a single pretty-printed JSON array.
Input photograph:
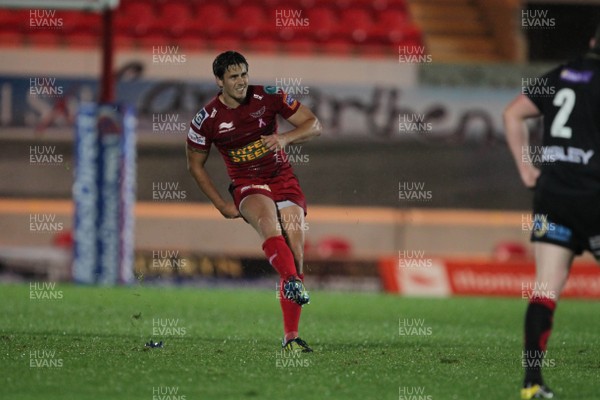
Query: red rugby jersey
[{"x": 236, "y": 132}]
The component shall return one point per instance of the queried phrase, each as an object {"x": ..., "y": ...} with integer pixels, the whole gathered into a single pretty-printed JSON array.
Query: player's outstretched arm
[
  {"x": 195, "y": 163},
  {"x": 517, "y": 136},
  {"x": 306, "y": 126}
]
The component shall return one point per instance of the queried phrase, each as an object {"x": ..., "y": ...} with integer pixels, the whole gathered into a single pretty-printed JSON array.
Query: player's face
[{"x": 234, "y": 83}]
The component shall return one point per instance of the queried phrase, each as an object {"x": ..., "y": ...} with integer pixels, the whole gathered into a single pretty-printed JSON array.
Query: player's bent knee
[{"x": 268, "y": 226}]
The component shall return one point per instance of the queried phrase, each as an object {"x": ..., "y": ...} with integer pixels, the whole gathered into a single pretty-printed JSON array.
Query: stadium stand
[
  {"x": 452, "y": 30},
  {"x": 298, "y": 26},
  {"x": 469, "y": 31}
]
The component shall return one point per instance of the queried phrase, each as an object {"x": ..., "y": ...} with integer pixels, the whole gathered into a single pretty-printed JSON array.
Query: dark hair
[{"x": 226, "y": 60}]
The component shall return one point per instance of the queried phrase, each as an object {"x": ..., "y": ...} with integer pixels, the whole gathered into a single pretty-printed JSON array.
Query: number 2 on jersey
[{"x": 565, "y": 99}]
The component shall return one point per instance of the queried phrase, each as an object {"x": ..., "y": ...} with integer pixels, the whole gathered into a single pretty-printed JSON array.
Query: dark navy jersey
[{"x": 569, "y": 99}]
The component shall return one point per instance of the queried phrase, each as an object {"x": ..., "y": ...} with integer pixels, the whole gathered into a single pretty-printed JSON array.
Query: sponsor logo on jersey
[
  {"x": 572, "y": 75},
  {"x": 199, "y": 118},
  {"x": 213, "y": 113},
  {"x": 250, "y": 152},
  {"x": 264, "y": 187},
  {"x": 226, "y": 127},
  {"x": 271, "y": 89},
  {"x": 289, "y": 101},
  {"x": 257, "y": 96},
  {"x": 258, "y": 113},
  {"x": 569, "y": 154},
  {"x": 196, "y": 138}
]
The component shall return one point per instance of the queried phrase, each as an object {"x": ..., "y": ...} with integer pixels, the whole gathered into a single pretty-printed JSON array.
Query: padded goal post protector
[
  {"x": 444, "y": 277},
  {"x": 104, "y": 194}
]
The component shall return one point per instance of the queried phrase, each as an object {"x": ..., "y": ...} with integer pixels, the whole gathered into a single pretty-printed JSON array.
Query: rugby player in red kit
[{"x": 241, "y": 122}]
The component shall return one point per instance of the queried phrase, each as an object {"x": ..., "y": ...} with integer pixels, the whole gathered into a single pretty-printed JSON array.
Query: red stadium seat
[
  {"x": 82, "y": 29},
  {"x": 43, "y": 38},
  {"x": 377, "y": 50},
  {"x": 356, "y": 24},
  {"x": 510, "y": 251},
  {"x": 124, "y": 40},
  {"x": 174, "y": 18},
  {"x": 375, "y": 5},
  {"x": 210, "y": 20},
  {"x": 11, "y": 38},
  {"x": 153, "y": 39},
  {"x": 232, "y": 4},
  {"x": 248, "y": 20},
  {"x": 63, "y": 239},
  {"x": 13, "y": 20},
  {"x": 390, "y": 27},
  {"x": 82, "y": 39},
  {"x": 322, "y": 21},
  {"x": 286, "y": 34},
  {"x": 295, "y": 4},
  {"x": 192, "y": 42},
  {"x": 136, "y": 18},
  {"x": 334, "y": 246}
]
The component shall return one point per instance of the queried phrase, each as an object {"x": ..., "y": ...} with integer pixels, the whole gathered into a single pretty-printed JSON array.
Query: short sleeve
[
  {"x": 541, "y": 90},
  {"x": 283, "y": 103},
  {"x": 198, "y": 135}
]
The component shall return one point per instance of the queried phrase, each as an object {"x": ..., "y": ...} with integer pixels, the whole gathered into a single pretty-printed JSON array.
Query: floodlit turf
[{"x": 224, "y": 344}]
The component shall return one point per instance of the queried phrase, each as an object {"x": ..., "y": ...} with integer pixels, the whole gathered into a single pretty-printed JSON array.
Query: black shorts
[{"x": 570, "y": 221}]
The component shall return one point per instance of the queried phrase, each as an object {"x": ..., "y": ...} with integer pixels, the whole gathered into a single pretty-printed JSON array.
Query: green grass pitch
[{"x": 88, "y": 343}]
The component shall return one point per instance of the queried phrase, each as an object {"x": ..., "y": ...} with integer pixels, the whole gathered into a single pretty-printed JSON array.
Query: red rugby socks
[
  {"x": 280, "y": 256},
  {"x": 282, "y": 259}
]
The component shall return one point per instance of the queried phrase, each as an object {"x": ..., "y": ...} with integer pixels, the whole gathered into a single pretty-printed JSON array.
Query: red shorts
[{"x": 283, "y": 187}]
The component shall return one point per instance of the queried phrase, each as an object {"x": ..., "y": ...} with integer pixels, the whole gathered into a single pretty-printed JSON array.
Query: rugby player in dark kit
[{"x": 566, "y": 203}]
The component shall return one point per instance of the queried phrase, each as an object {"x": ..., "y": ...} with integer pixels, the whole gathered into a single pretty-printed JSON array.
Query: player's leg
[
  {"x": 260, "y": 212},
  {"x": 292, "y": 222},
  {"x": 552, "y": 270},
  {"x": 291, "y": 217},
  {"x": 553, "y": 264}
]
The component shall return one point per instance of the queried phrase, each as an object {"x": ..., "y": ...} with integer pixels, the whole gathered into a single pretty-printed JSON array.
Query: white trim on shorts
[
  {"x": 280, "y": 204},
  {"x": 285, "y": 203}
]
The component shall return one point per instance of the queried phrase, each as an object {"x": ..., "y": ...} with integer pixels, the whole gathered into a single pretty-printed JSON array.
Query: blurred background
[{"x": 411, "y": 188}]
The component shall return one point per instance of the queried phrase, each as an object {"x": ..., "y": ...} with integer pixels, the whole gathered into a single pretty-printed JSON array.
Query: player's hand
[
  {"x": 229, "y": 210},
  {"x": 275, "y": 141},
  {"x": 529, "y": 176}
]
